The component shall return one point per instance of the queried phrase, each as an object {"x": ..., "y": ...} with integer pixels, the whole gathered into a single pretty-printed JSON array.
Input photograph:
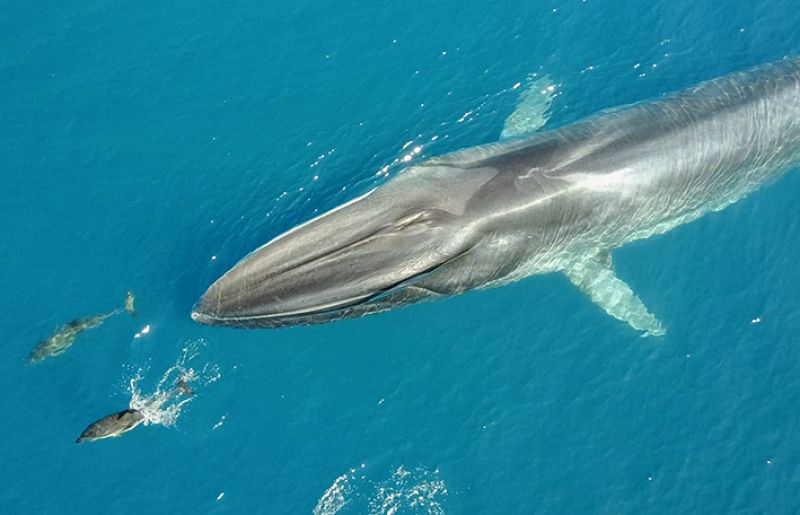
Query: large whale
[{"x": 556, "y": 201}]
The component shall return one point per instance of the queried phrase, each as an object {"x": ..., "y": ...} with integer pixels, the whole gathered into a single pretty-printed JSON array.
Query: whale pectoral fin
[
  {"x": 533, "y": 108},
  {"x": 596, "y": 278}
]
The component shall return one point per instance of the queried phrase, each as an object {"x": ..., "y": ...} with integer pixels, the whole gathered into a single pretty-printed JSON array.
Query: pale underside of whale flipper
[
  {"x": 533, "y": 108},
  {"x": 596, "y": 278}
]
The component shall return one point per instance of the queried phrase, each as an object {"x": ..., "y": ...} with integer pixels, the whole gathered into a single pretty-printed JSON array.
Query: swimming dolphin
[
  {"x": 557, "y": 201},
  {"x": 111, "y": 426},
  {"x": 58, "y": 342}
]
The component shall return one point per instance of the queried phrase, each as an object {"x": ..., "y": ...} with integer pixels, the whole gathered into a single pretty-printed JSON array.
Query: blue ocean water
[{"x": 149, "y": 147}]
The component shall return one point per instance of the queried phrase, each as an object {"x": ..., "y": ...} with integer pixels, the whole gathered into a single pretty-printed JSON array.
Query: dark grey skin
[
  {"x": 112, "y": 426},
  {"x": 182, "y": 387},
  {"x": 559, "y": 201}
]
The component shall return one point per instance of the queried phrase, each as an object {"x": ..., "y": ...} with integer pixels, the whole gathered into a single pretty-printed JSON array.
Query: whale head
[{"x": 367, "y": 255}]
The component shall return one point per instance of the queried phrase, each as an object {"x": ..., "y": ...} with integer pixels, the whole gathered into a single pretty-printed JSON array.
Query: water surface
[{"x": 148, "y": 148}]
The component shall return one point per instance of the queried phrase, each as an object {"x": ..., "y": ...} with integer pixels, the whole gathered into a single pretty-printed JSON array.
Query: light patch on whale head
[{"x": 618, "y": 181}]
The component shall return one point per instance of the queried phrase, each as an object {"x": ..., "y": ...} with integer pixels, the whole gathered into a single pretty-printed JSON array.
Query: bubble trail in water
[
  {"x": 164, "y": 405},
  {"x": 406, "y": 491},
  {"x": 335, "y": 497},
  {"x": 410, "y": 491}
]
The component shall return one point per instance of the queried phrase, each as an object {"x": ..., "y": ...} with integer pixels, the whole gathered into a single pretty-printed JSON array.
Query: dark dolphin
[{"x": 111, "y": 426}]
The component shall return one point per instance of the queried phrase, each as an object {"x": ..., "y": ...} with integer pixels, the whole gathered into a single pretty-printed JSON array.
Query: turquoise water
[{"x": 148, "y": 148}]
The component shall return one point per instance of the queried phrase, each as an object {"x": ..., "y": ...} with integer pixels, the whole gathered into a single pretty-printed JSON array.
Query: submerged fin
[
  {"x": 129, "y": 303},
  {"x": 533, "y": 108},
  {"x": 595, "y": 277},
  {"x": 531, "y": 114}
]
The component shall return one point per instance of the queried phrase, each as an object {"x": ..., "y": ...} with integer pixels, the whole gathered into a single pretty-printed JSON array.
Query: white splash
[
  {"x": 164, "y": 405},
  {"x": 220, "y": 422},
  {"x": 417, "y": 491},
  {"x": 335, "y": 497},
  {"x": 406, "y": 491},
  {"x": 145, "y": 330}
]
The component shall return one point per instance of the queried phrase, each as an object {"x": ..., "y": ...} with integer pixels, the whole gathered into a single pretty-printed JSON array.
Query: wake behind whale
[{"x": 554, "y": 201}]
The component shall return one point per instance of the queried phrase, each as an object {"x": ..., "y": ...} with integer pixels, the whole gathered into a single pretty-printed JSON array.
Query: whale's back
[{"x": 631, "y": 172}]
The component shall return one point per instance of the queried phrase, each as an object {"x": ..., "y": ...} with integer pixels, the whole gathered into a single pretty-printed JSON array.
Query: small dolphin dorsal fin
[
  {"x": 533, "y": 108},
  {"x": 596, "y": 278}
]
